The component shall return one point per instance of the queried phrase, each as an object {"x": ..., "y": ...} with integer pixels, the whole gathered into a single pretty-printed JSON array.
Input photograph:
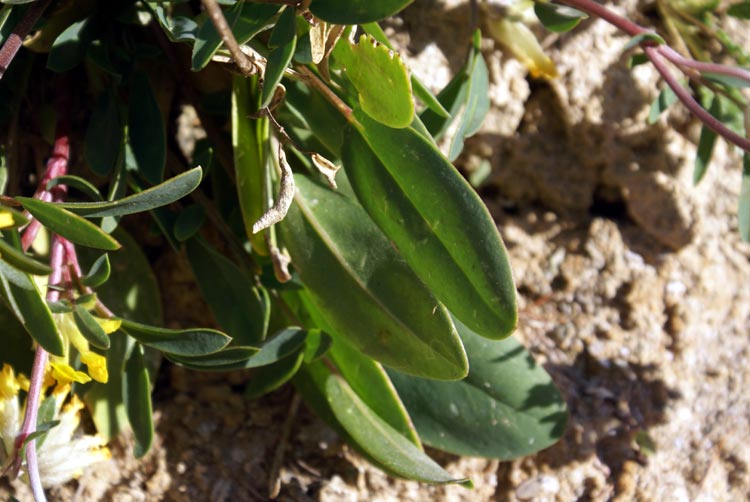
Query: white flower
[{"x": 61, "y": 457}]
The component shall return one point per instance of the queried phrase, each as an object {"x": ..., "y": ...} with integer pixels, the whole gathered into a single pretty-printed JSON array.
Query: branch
[{"x": 246, "y": 66}]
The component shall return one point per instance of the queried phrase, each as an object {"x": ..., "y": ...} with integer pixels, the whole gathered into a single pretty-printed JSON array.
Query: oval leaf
[
  {"x": 103, "y": 135},
  {"x": 284, "y": 37},
  {"x": 69, "y": 225},
  {"x": 146, "y": 134},
  {"x": 26, "y": 302},
  {"x": 381, "y": 79},
  {"x": 356, "y": 11},
  {"x": 136, "y": 393},
  {"x": 558, "y": 18},
  {"x": 180, "y": 342},
  {"x": 189, "y": 222},
  {"x": 270, "y": 378},
  {"x": 245, "y": 317},
  {"x": 21, "y": 260},
  {"x": 435, "y": 219},
  {"x": 363, "y": 289},
  {"x": 380, "y": 440},
  {"x": 157, "y": 196},
  {"x": 228, "y": 359},
  {"x": 99, "y": 272},
  {"x": 507, "y": 407},
  {"x": 89, "y": 328},
  {"x": 84, "y": 186}
]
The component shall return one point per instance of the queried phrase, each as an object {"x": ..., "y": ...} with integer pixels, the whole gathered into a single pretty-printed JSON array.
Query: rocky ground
[{"x": 634, "y": 290}]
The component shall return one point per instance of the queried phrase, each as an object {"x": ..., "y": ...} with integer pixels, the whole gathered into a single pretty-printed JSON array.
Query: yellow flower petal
[
  {"x": 520, "y": 40},
  {"x": 63, "y": 373},
  {"x": 108, "y": 325},
  {"x": 6, "y": 219},
  {"x": 9, "y": 385},
  {"x": 97, "y": 366}
]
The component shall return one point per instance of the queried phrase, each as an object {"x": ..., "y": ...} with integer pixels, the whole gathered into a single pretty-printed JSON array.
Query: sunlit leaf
[
  {"x": 380, "y": 440},
  {"x": 381, "y": 79},
  {"x": 283, "y": 42},
  {"x": 437, "y": 222},
  {"x": 558, "y": 18},
  {"x": 180, "y": 342},
  {"x": 89, "y": 328},
  {"x": 363, "y": 289},
  {"x": 69, "y": 225},
  {"x": 157, "y": 196},
  {"x": 507, "y": 407}
]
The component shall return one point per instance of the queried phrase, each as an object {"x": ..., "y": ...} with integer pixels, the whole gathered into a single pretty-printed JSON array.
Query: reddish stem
[
  {"x": 656, "y": 53},
  {"x": 14, "y": 41}
]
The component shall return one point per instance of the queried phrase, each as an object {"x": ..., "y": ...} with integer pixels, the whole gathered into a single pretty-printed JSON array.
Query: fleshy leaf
[
  {"x": 245, "y": 317},
  {"x": 103, "y": 135},
  {"x": 362, "y": 287},
  {"x": 157, "y": 196},
  {"x": 181, "y": 342},
  {"x": 99, "y": 272},
  {"x": 437, "y": 222},
  {"x": 90, "y": 328},
  {"x": 380, "y": 440},
  {"x": 558, "y": 18},
  {"x": 507, "y": 407},
  {"x": 381, "y": 79},
  {"x": 146, "y": 134},
  {"x": 230, "y": 358},
  {"x": 356, "y": 11},
  {"x": 269, "y": 378},
  {"x": 284, "y": 41},
  {"x": 137, "y": 397},
  {"x": 69, "y": 225},
  {"x": 20, "y": 260}
]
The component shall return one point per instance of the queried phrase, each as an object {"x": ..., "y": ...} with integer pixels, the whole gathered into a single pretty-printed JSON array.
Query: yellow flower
[
  {"x": 96, "y": 364},
  {"x": 61, "y": 457},
  {"x": 6, "y": 218}
]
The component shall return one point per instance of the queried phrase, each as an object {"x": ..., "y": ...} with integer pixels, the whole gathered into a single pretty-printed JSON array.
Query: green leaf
[
  {"x": 89, "y": 328},
  {"x": 281, "y": 345},
  {"x": 363, "y": 289},
  {"x": 284, "y": 37},
  {"x": 30, "y": 308},
  {"x": 419, "y": 89},
  {"x": 137, "y": 398},
  {"x": 475, "y": 102},
  {"x": 69, "y": 48},
  {"x": 380, "y": 440},
  {"x": 647, "y": 38},
  {"x": 177, "y": 28},
  {"x": 189, "y": 222},
  {"x": 743, "y": 211},
  {"x": 706, "y": 144},
  {"x": 507, "y": 407},
  {"x": 740, "y": 10},
  {"x": 69, "y": 225},
  {"x": 371, "y": 383},
  {"x": 81, "y": 184},
  {"x": 317, "y": 344},
  {"x": 157, "y": 196},
  {"x": 381, "y": 79},
  {"x": 146, "y": 134},
  {"x": 180, "y": 342},
  {"x": 104, "y": 135},
  {"x": 99, "y": 272},
  {"x": 230, "y": 358},
  {"x": 726, "y": 80},
  {"x": 356, "y": 11},
  {"x": 22, "y": 261},
  {"x": 245, "y": 317},
  {"x": 250, "y": 144},
  {"x": 271, "y": 377},
  {"x": 558, "y": 18},
  {"x": 246, "y": 19},
  {"x": 664, "y": 100},
  {"x": 437, "y": 222}
]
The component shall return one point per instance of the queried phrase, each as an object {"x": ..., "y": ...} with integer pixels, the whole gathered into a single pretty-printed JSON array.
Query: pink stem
[
  {"x": 657, "y": 52},
  {"x": 10, "y": 48}
]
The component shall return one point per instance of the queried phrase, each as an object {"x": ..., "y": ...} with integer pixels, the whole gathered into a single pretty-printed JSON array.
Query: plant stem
[
  {"x": 14, "y": 41},
  {"x": 220, "y": 22},
  {"x": 657, "y": 53}
]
